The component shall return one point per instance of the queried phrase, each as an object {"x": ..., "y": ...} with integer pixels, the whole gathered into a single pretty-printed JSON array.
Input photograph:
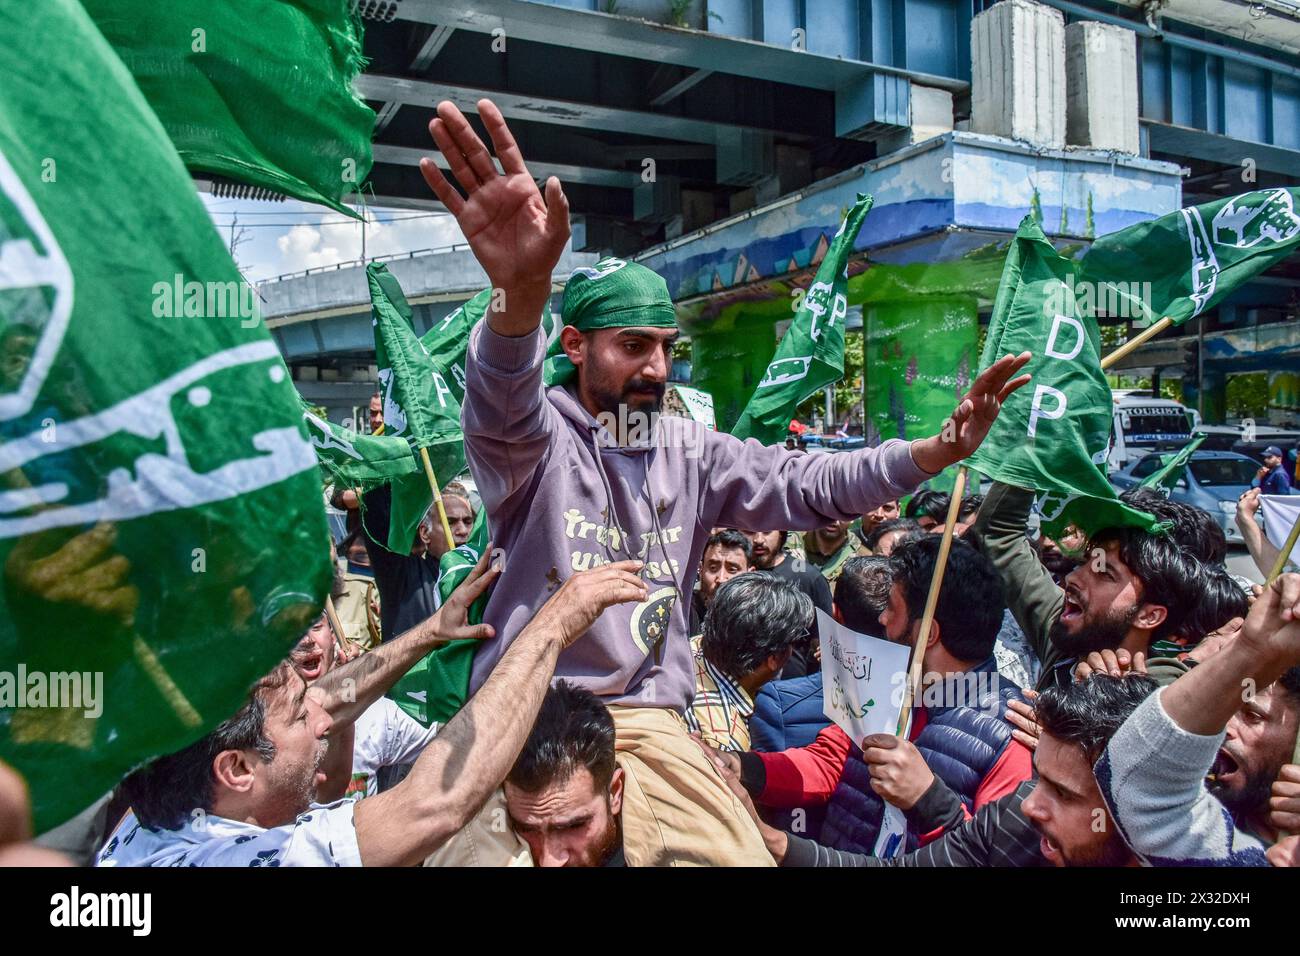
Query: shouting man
[{"x": 576, "y": 469}]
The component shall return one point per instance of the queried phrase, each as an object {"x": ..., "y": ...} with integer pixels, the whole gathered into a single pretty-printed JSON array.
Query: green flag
[
  {"x": 811, "y": 355},
  {"x": 1052, "y": 435},
  {"x": 448, "y": 341},
  {"x": 419, "y": 405},
  {"x": 162, "y": 535},
  {"x": 357, "y": 461},
  {"x": 438, "y": 686},
  {"x": 1166, "y": 476},
  {"x": 256, "y": 90},
  {"x": 1181, "y": 264}
]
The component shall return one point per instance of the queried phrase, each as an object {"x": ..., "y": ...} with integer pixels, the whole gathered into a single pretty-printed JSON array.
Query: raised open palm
[{"x": 517, "y": 236}]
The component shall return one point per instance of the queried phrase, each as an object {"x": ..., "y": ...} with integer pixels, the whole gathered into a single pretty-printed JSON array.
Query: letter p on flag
[{"x": 1036, "y": 410}]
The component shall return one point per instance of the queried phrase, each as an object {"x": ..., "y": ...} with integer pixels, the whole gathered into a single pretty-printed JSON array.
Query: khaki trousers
[
  {"x": 677, "y": 809},
  {"x": 487, "y": 840}
]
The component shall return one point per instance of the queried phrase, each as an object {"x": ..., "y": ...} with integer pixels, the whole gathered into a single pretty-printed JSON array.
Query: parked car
[{"x": 1212, "y": 481}]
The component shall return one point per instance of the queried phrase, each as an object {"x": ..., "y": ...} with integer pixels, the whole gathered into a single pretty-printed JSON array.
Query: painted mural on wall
[
  {"x": 964, "y": 181},
  {"x": 919, "y": 358}
]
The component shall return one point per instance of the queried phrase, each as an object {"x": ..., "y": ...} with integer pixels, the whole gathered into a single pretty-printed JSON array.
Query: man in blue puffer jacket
[
  {"x": 790, "y": 713},
  {"x": 958, "y": 734}
]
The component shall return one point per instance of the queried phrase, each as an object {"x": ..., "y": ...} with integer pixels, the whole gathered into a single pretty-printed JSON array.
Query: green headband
[{"x": 614, "y": 294}]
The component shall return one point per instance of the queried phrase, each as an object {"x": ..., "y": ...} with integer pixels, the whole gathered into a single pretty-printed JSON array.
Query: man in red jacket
[{"x": 955, "y": 742}]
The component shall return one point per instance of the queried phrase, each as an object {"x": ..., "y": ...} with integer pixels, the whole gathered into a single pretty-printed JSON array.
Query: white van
[{"x": 1143, "y": 424}]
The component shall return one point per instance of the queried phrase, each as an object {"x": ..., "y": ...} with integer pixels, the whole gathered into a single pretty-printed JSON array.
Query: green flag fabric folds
[
  {"x": 256, "y": 90},
  {"x": 419, "y": 405},
  {"x": 357, "y": 461},
  {"x": 1052, "y": 435},
  {"x": 811, "y": 355},
  {"x": 1181, "y": 264},
  {"x": 1166, "y": 476},
  {"x": 438, "y": 686},
  {"x": 162, "y": 533}
]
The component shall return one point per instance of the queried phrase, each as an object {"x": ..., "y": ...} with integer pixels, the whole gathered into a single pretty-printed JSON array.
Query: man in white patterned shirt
[{"x": 244, "y": 794}]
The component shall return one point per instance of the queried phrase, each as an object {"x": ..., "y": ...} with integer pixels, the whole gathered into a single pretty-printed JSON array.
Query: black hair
[
  {"x": 573, "y": 729},
  {"x": 1194, "y": 529},
  {"x": 1290, "y": 681},
  {"x": 1171, "y": 575},
  {"x": 752, "y": 617},
  {"x": 1221, "y": 600},
  {"x": 1088, "y": 712},
  {"x": 971, "y": 603},
  {"x": 905, "y": 526},
  {"x": 862, "y": 592},
  {"x": 731, "y": 540},
  {"x": 969, "y": 505},
  {"x": 165, "y": 792},
  {"x": 928, "y": 504}
]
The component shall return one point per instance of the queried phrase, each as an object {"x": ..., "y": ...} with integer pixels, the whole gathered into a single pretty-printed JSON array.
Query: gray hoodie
[{"x": 556, "y": 505}]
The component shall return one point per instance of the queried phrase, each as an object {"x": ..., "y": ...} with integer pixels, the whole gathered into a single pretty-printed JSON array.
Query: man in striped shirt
[
  {"x": 752, "y": 626},
  {"x": 1048, "y": 821}
]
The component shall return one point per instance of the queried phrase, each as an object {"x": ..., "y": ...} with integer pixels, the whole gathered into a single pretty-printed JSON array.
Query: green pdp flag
[
  {"x": 419, "y": 405},
  {"x": 357, "y": 461},
  {"x": 811, "y": 355},
  {"x": 1052, "y": 435},
  {"x": 256, "y": 90},
  {"x": 448, "y": 341},
  {"x": 1181, "y": 264},
  {"x": 438, "y": 686},
  {"x": 1166, "y": 476},
  {"x": 162, "y": 533}
]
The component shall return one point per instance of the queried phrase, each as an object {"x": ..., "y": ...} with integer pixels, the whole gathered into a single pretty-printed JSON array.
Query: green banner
[
  {"x": 256, "y": 90},
  {"x": 1181, "y": 264},
  {"x": 1052, "y": 435},
  {"x": 419, "y": 405},
  {"x": 811, "y": 355},
  {"x": 357, "y": 461},
  {"x": 438, "y": 686},
  {"x": 162, "y": 533}
]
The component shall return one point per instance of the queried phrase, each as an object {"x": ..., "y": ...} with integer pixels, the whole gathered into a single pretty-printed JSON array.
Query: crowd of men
[{"x": 647, "y": 686}]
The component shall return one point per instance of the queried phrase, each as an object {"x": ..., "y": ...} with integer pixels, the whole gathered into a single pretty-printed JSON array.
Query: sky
[{"x": 290, "y": 236}]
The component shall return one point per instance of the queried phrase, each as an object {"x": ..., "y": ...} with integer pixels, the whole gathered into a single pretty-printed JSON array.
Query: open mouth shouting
[
  {"x": 1224, "y": 769},
  {"x": 1072, "y": 610}
]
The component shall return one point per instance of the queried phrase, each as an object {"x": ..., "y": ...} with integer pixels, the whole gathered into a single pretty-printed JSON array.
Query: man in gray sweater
[{"x": 576, "y": 469}]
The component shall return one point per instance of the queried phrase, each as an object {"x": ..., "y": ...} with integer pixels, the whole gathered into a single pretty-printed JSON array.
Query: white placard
[
  {"x": 1280, "y": 515},
  {"x": 859, "y": 677}
]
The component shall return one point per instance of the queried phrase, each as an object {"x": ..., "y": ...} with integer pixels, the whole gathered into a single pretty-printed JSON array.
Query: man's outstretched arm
[
  {"x": 750, "y": 485},
  {"x": 471, "y": 757},
  {"x": 347, "y": 690}
]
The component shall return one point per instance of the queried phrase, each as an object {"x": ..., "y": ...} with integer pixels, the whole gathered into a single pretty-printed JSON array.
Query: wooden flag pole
[
  {"x": 931, "y": 601},
  {"x": 332, "y": 615},
  {"x": 1284, "y": 554},
  {"x": 437, "y": 498},
  {"x": 1142, "y": 337}
]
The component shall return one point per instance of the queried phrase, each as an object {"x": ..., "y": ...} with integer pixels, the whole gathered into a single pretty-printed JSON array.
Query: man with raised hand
[{"x": 577, "y": 469}]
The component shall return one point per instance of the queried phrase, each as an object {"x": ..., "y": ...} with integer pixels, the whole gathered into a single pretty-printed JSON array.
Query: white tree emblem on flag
[
  {"x": 150, "y": 482},
  {"x": 24, "y": 266},
  {"x": 1252, "y": 218}
]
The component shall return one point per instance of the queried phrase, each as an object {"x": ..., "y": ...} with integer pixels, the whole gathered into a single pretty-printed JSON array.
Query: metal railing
[{"x": 353, "y": 263}]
